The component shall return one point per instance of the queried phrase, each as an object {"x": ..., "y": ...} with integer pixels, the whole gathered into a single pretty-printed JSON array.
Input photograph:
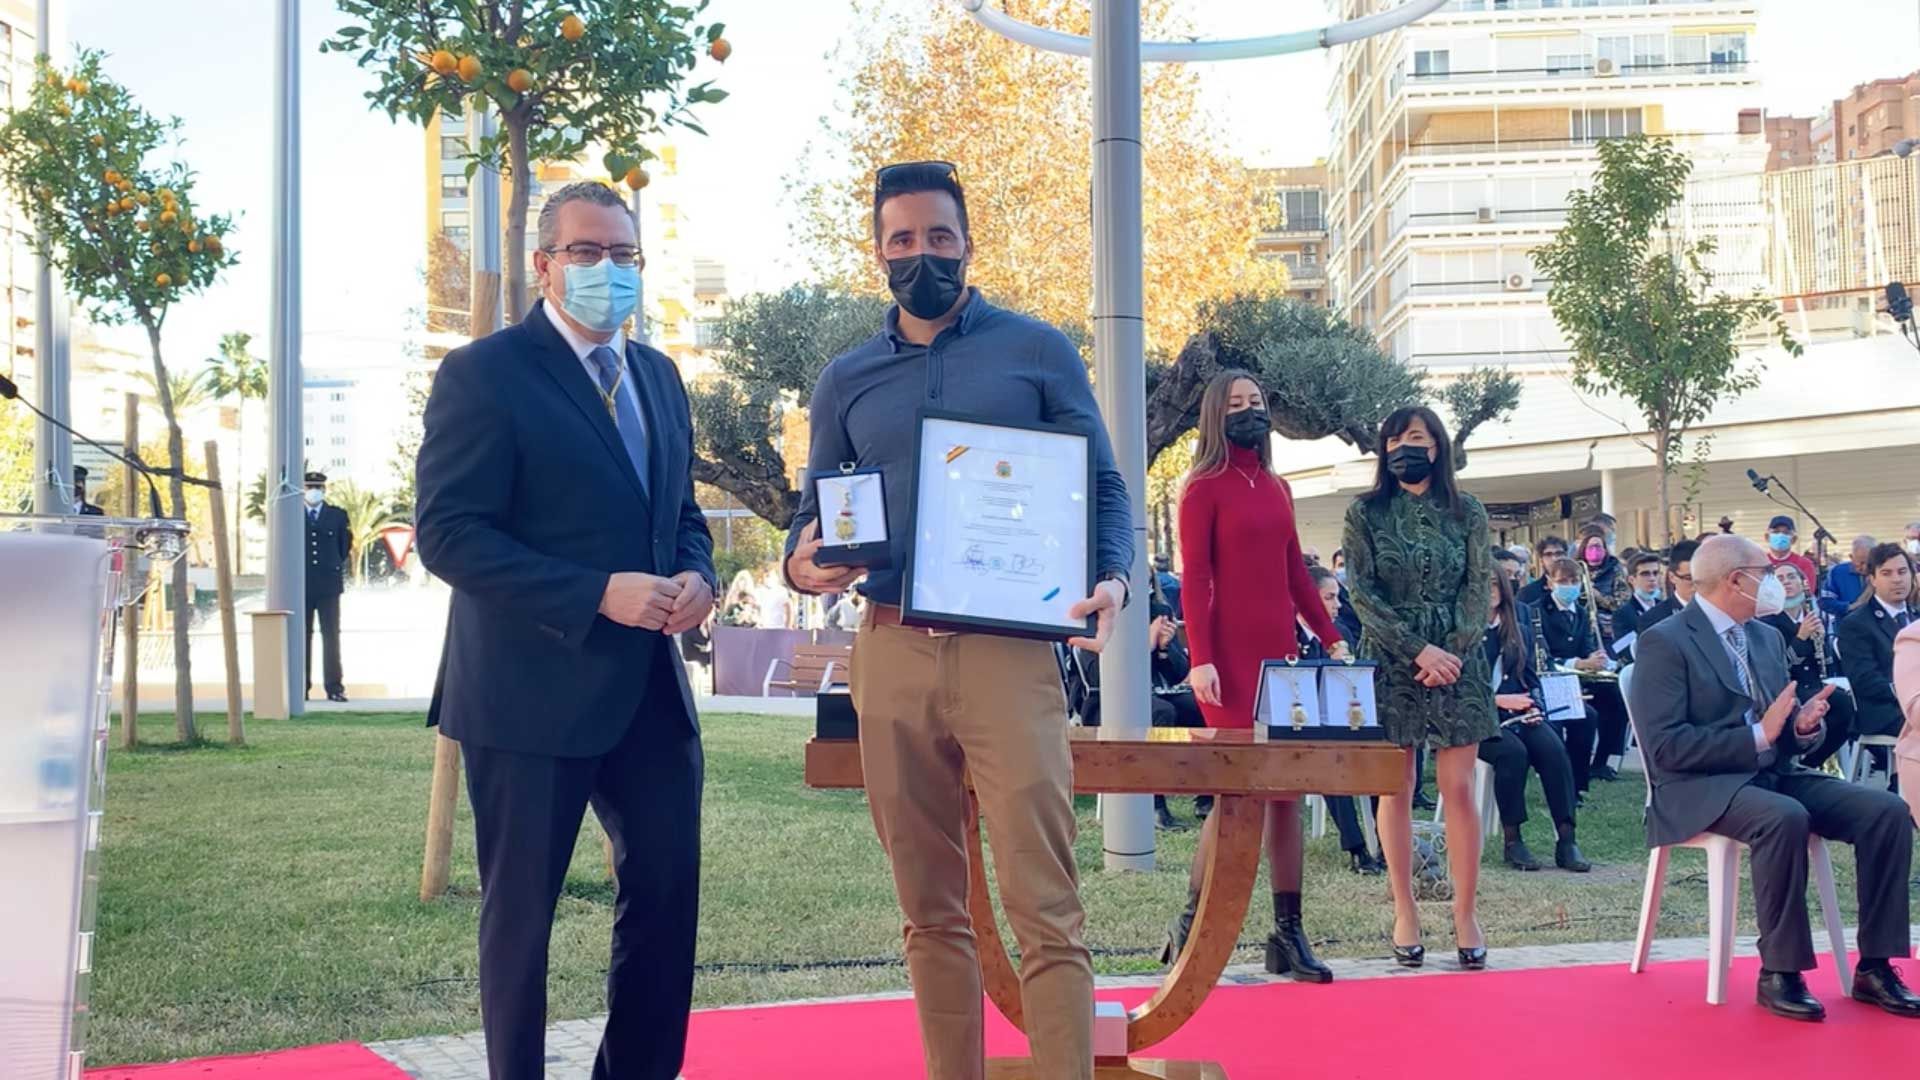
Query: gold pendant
[
  {"x": 1356, "y": 716},
  {"x": 1299, "y": 716},
  {"x": 844, "y": 526}
]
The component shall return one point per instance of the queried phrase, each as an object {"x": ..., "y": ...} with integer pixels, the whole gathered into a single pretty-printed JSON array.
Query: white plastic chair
[
  {"x": 1860, "y": 763},
  {"x": 1723, "y": 895},
  {"x": 1482, "y": 797}
]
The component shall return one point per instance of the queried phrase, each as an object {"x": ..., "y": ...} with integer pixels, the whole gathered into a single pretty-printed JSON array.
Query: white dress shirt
[
  {"x": 583, "y": 348},
  {"x": 1722, "y": 622},
  {"x": 1894, "y": 611}
]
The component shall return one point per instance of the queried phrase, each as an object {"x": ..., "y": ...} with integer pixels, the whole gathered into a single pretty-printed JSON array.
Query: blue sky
[{"x": 210, "y": 63}]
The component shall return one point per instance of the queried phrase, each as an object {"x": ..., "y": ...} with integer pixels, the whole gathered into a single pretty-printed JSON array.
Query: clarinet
[{"x": 1539, "y": 643}]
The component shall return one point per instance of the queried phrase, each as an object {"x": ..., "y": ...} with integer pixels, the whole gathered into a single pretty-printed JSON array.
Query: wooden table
[{"x": 1243, "y": 768}]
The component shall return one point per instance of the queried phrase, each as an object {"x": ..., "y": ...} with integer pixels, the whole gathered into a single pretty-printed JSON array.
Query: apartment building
[{"x": 1293, "y": 226}]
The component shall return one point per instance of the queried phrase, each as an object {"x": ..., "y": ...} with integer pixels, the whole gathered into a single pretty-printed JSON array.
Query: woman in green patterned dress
[{"x": 1419, "y": 566}]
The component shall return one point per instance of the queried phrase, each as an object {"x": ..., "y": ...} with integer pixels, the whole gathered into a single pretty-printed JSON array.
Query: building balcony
[{"x": 1600, "y": 72}]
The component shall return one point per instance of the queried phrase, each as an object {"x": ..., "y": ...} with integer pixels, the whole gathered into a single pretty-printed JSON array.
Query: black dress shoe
[
  {"x": 1566, "y": 856},
  {"x": 1166, "y": 819},
  {"x": 1882, "y": 986},
  {"x": 1409, "y": 956},
  {"x": 1519, "y": 857},
  {"x": 1202, "y": 806},
  {"x": 1421, "y": 802},
  {"x": 1177, "y": 932},
  {"x": 1288, "y": 950},
  {"x": 1364, "y": 864},
  {"x": 332, "y": 696},
  {"x": 1784, "y": 993},
  {"x": 1604, "y": 772},
  {"x": 1474, "y": 959}
]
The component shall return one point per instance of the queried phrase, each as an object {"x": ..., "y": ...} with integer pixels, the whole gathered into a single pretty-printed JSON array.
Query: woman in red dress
[{"x": 1245, "y": 585}]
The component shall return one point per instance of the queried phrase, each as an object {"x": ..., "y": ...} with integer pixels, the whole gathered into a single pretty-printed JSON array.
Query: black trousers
[
  {"x": 527, "y": 810},
  {"x": 1511, "y": 752},
  {"x": 1580, "y": 736},
  {"x": 326, "y": 606},
  {"x": 1611, "y": 709},
  {"x": 1346, "y": 818},
  {"x": 1773, "y": 815},
  {"x": 1177, "y": 710}
]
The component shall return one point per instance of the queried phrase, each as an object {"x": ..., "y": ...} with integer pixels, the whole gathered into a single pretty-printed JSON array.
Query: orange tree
[
  {"x": 82, "y": 160},
  {"x": 563, "y": 77}
]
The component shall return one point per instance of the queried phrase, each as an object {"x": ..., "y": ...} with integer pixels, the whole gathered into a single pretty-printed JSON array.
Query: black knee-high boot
[{"x": 1288, "y": 950}]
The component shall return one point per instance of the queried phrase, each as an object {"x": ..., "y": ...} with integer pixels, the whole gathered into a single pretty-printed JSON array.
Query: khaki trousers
[{"x": 935, "y": 711}]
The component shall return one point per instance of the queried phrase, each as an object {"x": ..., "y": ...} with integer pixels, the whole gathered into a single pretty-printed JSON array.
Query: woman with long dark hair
[
  {"x": 1245, "y": 586},
  {"x": 1418, "y": 568},
  {"x": 1525, "y": 739}
]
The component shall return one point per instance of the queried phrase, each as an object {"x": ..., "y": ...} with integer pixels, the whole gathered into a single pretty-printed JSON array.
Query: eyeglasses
[
  {"x": 888, "y": 175},
  {"x": 1688, "y": 578},
  {"x": 590, "y": 254}
]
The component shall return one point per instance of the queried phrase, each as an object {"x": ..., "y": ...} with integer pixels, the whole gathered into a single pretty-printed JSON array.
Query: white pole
[
  {"x": 1120, "y": 375},
  {"x": 52, "y": 371},
  {"x": 483, "y": 198},
  {"x": 286, "y": 525}
]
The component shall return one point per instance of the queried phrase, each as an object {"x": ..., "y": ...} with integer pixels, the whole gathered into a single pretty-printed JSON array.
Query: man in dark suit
[
  {"x": 1722, "y": 733},
  {"x": 1546, "y": 551},
  {"x": 329, "y": 550},
  {"x": 555, "y": 496},
  {"x": 1646, "y": 574},
  {"x": 1866, "y": 640},
  {"x": 80, "y": 504}
]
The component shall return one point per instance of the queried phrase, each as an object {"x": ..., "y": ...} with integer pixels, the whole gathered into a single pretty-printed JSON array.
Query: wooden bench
[{"x": 811, "y": 670}]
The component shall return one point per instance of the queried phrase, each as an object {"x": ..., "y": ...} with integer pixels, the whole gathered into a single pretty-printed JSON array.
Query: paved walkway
[{"x": 571, "y": 1045}]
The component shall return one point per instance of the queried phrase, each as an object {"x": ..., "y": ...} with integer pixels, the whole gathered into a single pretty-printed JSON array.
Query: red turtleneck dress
[{"x": 1244, "y": 580}]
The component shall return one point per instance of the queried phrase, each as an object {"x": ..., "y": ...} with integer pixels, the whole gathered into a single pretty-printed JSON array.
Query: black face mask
[
  {"x": 1409, "y": 464},
  {"x": 1247, "y": 428},
  {"x": 926, "y": 286}
]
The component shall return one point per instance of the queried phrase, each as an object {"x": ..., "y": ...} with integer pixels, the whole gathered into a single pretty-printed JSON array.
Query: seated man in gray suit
[{"x": 1713, "y": 702}]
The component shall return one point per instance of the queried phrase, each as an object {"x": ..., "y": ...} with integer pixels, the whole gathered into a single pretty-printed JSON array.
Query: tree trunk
[
  {"x": 771, "y": 497},
  {"x": 515, "y": 246},
  {"x": 177, "y": 490},
  {"x": 1662, "y": 449}
]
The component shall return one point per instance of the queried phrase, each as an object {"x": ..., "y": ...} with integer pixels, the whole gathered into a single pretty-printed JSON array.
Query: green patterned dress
[{"x": 1420, "y": 576}]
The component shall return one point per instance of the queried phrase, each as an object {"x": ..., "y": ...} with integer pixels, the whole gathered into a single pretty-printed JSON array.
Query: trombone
[{"x": 1593, "y": 621}]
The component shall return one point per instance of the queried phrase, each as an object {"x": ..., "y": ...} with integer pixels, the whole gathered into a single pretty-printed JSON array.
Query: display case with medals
[
  {"x": 853, "y": 518},
  {"x": 1318, "y": 699}
]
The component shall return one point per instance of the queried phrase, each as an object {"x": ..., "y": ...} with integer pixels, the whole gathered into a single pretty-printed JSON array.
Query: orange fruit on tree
[
  {"x": 141, "y": 225},
  {"x": 167, "y": 217},
  {"x": 143, "y": 198},
  {"x": 637, "y": 178},
  {"x": 124, "y": 184},
  {"x": 194, "y": 246},
  {"x": 126, "y": 203},
  {"x": 112, "y": 176},
  {"x": 519, "y": 80},
  {"x": 163, "y": 279},
  {"x": 720, "y": 49},
  {"x": 443, "y": 62},
  {"x": 573, "y": 28},
  {"x": 469, "y": 68},
  {"x": 99, "y": 140}
]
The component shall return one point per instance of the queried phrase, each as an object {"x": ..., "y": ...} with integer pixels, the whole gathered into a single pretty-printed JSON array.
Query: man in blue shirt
[
  {"x": 1846, "y": 581},
  {"x": 937, "y": 709}
]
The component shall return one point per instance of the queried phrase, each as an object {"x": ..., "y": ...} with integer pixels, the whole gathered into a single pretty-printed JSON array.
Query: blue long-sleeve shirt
[
  {"x": 1842, "y": 587},
  {"x": 991, "y": 363}
]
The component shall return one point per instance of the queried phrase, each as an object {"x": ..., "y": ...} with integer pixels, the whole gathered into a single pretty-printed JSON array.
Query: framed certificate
[
  {"x": 1001, "y": 528},
  {"x": 853, "y": 518}
]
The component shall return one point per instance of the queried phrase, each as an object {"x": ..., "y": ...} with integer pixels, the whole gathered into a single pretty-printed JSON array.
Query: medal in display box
[
  {"x": 1319, "y": 699},
  {"x": 853, "y": 518}
]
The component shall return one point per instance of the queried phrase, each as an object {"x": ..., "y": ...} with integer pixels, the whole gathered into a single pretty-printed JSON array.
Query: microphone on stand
[
  {"x": 11, "y": 392},
  {"x": 1759, "y": 482}
]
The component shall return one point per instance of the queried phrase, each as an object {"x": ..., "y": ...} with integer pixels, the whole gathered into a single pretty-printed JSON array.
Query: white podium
[{"x": 63, "y": 581}]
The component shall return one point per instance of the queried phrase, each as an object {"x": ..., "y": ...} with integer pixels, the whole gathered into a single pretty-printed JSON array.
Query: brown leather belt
[{"x": 889, "y": 615}]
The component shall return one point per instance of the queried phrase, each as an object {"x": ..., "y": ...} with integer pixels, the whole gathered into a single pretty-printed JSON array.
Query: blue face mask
[
  {"x": 1565, "y": 595},
  {"x": 601, "y": 296},
  {"x": 1779, "y": 542},
  {"x": 1647, "y": 596}
]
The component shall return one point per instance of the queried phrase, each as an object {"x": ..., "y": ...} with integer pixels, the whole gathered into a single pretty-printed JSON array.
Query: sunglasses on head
[{"x": 887, "y": 175}]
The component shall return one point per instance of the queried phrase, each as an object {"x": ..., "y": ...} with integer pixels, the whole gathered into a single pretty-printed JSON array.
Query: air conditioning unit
[
  {"x": 1606, "y": 67},
  {"x": 1486, "y": 215},
  {"x": 1519, "y": 281}
]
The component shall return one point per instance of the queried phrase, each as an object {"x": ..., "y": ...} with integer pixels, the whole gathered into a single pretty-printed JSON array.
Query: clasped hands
[
  {"x": 1436, "y": 667},
  {"x": 1807, "y": 717},
  {"x": 670, "y": 605}
]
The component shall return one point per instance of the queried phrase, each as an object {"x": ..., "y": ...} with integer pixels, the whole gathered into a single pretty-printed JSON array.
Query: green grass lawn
[{"x": 268, "y": 896}]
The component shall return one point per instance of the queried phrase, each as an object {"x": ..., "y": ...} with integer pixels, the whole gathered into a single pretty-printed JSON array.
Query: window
[
  {"x": 453, "y": 186},
  {"x": 339, "y": 463},
  {"x": 339, "y": 418},
  {"x": 1592, "y": 125},
  {"x": 339, "y": 440},
  {"x": 453, "y": 146},
  {"x": 1728, "y": 52},
  {"x": 1303, "y": 210},
  {"x": 1649, "y": 51},
  {"x": 309, "y": 441},
  {"x": 337, "y": 396},
  {"x": 1431, "y": 63}
]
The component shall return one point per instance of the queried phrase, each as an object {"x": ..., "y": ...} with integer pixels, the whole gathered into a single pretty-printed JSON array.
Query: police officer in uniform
[
  {"x": 80, "y": 504},
  {"x": 329, "y": 546}
]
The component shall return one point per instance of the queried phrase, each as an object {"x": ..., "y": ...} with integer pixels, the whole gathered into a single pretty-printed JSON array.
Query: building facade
[
  {"x": 1872, "y": 120},
  {"x": 1293, "y": 226},
  {"x": 1456, "y": 141},
  {"x": 18, "y": 273}
]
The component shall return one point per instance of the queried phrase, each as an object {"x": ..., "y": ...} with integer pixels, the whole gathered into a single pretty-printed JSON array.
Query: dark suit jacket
[
  {"x": 329, "y": 549},
  {"x": 1689, "y": 709},
  {"x": 1866, "y": 659},
  {"x": 1534, "y": 593},
  {"x": 1631, "y": 619},
  {"x": 1569, "y": 634},
  {"x": 527, "y": 504}
]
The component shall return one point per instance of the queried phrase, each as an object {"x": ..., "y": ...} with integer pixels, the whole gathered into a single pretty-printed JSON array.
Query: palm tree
[
  {"x": 189, "y": 392},
  {"x": 236, "y": 373},
  {"x": 367, "y": 514}
]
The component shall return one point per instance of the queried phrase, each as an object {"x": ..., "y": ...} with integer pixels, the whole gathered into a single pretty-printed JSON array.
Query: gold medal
[{"x": 844, "y": 525}]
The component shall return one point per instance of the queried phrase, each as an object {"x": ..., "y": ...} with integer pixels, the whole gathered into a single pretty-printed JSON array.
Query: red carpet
[
  {"x": 1564, "y": 1023},
  {"x": 340, "y": 1061}
]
